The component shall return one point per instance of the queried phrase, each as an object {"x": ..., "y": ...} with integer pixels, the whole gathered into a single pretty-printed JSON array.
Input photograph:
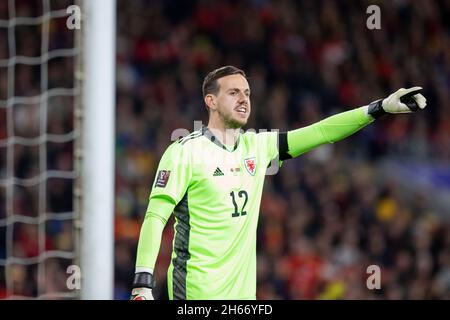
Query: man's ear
[{"x": 210, "y": 101}]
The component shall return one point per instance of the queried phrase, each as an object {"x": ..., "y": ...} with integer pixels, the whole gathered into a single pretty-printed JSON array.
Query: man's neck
[{"x": 226, "y": 136}]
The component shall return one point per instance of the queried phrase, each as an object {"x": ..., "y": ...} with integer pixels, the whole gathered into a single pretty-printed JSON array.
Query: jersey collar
[{"x": 210, "y": 136}]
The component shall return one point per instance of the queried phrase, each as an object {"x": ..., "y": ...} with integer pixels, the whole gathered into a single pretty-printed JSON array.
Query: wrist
[
  {"x": 375, "y": 109},
  {"x": 144, "y": 280}
]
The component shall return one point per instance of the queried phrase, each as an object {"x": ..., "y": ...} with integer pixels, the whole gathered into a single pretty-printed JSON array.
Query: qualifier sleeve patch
[{"x": 163, "y": 177}]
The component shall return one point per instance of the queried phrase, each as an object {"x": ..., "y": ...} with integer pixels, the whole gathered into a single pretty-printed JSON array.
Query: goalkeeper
[{"x": 216, "y": 202}]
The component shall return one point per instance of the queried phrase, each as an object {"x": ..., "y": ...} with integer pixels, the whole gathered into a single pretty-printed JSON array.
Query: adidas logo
[{"x": 218, "y": 172}]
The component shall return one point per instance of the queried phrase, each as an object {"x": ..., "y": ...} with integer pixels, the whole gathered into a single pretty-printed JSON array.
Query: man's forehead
[{"x": 233, "y": 81}]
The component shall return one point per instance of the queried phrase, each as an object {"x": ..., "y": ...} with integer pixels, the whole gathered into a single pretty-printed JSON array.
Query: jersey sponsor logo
[
  {"x": 163, "y": 177},
  {"x": 218, "y": 172},
  {"x": 250, "y": 165},
  {"x": 235, "y": 171}
]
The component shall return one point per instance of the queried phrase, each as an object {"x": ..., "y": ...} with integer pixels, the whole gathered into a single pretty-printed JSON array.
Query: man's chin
[{"x": 234, "y": 122}]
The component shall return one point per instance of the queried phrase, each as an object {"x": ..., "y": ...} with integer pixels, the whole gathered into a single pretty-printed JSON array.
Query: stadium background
[{"x": 378, "y": 197}]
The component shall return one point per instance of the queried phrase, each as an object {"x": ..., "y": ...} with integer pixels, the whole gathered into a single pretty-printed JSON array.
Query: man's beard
[{"x": 230, "y": 122}]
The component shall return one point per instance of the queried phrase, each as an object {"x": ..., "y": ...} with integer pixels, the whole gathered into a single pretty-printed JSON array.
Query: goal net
[{"x": 38, "y": 136}]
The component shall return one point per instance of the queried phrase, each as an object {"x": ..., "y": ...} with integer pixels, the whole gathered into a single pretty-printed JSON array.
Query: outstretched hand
[
  {"x": 405, "y": 101},
  {"x": 401, "y": 101}
]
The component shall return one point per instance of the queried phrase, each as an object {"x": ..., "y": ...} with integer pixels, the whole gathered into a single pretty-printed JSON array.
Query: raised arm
[{"x": 337, "y": 127}]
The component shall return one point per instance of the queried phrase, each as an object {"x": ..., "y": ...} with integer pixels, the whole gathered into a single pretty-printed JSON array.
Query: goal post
[
  {"x": 98, "y": 131},
  {"x": 57, "y": 129}
]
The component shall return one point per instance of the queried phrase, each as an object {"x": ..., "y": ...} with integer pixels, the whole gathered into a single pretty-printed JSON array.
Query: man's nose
[{"x": 242, "y": 97}]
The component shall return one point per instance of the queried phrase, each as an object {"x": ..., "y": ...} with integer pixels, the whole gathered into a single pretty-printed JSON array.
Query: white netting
[{"x": 37, "y": 101}]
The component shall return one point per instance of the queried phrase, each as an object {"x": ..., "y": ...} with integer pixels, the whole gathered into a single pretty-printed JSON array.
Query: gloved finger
[
  {"x": 399, "y": 92},
  {"x": 421, "y": 100},
  {"x": 408, "y": 98},
  {"x": 411, "y": 91}
]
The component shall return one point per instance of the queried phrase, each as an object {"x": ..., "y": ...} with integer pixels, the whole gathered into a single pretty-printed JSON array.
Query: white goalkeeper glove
[
  {"x": 142, "y": 294},
  {"x": 143, "y": 285},
  {"x": 401, "y": 101}
]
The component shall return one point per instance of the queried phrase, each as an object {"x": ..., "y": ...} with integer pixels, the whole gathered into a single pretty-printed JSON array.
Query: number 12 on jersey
[{"x": 241, "y": 194}]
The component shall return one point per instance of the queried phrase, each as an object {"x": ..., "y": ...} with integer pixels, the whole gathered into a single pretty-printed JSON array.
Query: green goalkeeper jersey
[
  {"x": 218, "y": 194},
  {"x": 215, "y": 192}
]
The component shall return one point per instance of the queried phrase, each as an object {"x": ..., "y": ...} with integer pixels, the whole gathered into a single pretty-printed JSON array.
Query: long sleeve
[
  {"x": 329, "y": 130},
  {"x": 170, "y": 185},
  {"x": 158, "y": 212}
]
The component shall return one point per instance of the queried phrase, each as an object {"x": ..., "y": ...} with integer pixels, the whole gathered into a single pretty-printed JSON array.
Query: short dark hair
[{"x": 210, "y": 84}]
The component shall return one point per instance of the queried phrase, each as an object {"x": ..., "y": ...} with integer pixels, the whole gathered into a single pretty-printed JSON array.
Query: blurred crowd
[{"x": 327, "y": 215}]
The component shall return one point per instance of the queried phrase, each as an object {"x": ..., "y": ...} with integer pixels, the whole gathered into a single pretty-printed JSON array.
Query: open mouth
[{"x": 241, "y": 110}]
